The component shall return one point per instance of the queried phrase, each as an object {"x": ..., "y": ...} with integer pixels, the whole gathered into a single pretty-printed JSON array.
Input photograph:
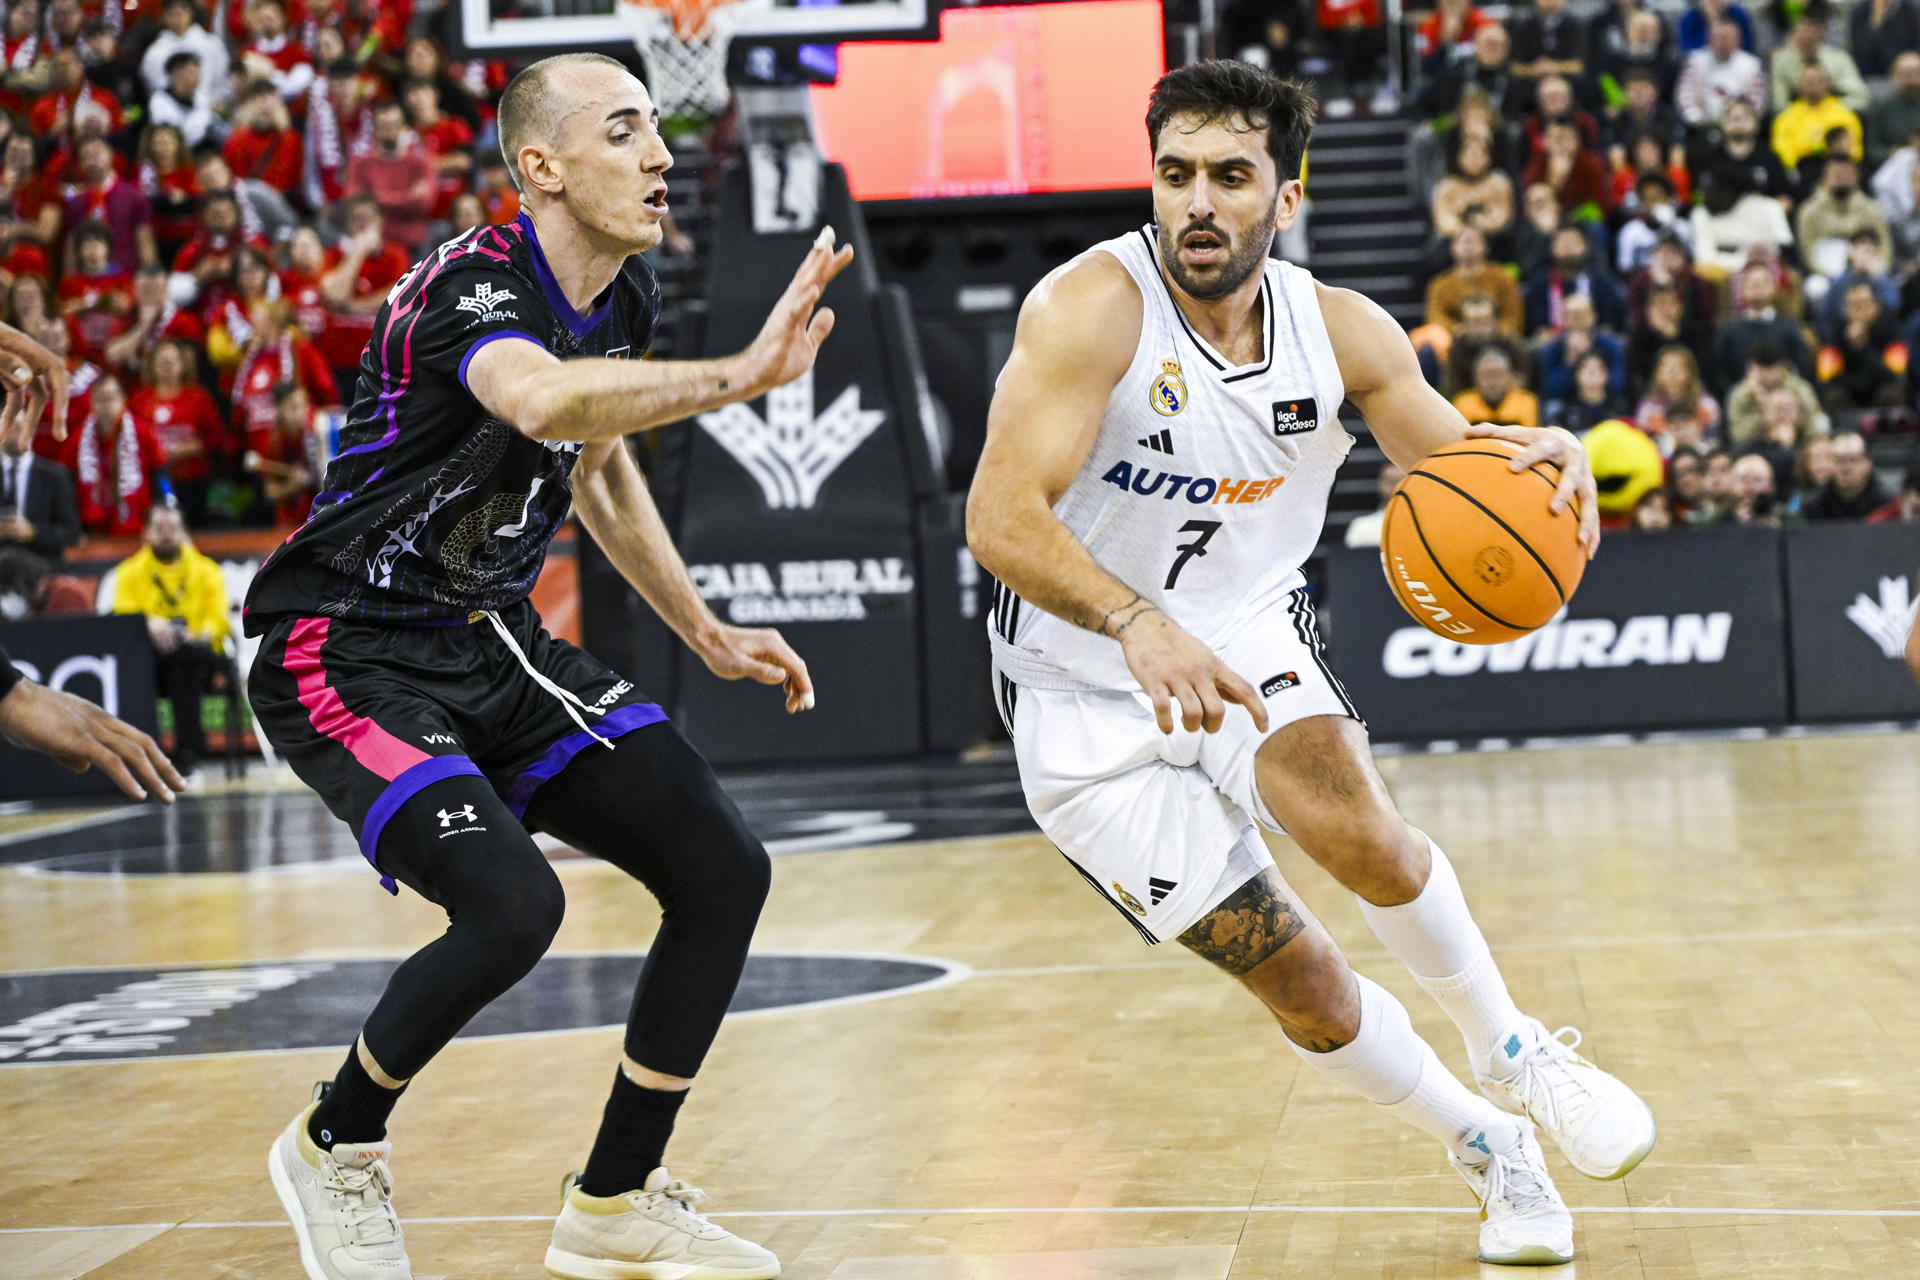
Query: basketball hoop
[{"x": 684, "y": 46}]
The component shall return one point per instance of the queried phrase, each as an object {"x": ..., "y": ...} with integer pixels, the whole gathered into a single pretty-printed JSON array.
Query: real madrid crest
[
  {"x": 1133, "y": 903},
  {"x": 1168, "y": 395}
]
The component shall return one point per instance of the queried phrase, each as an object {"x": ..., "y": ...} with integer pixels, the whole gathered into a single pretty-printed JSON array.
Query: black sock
[
  {"x": 633, "y": 1137},
  {"x": 355, "y": 1109}
]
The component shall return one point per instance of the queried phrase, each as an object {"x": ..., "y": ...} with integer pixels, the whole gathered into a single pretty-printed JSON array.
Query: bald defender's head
[{"x": 581, "y": 138}]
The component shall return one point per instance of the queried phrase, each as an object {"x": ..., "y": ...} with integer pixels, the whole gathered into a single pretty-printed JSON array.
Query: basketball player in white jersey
[{"x": 1159, "y": 453}]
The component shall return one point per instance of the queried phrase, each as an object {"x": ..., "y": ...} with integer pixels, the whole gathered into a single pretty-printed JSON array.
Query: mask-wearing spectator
[
  {"x": 1853, "y": 492},
  {"x": 1496, "y": 394},
  {"x": 183, "y": 596}
]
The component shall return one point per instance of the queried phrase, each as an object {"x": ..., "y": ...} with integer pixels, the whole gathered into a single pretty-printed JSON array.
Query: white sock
[
  {"x": 1389, "y": 1065},
  {"x": 1436, "y": 938}
]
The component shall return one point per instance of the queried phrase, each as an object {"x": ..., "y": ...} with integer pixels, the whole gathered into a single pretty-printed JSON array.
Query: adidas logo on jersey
[
  {"x": 1198, "y": 490},
  {"x": 1160, "y": 441},
  {"x": 1292, "y": 417}
]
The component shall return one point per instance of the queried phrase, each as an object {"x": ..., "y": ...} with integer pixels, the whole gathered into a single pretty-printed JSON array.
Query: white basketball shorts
[{"x": 1163, "y": 825}]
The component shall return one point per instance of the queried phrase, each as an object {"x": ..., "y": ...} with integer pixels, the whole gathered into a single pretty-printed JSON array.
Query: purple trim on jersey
[
  {"x": 622, "y": 720},
  {"x": 398, "y": 792},
  {"x": 581, "y": 325},
  {"x": 485, "y": 338}
]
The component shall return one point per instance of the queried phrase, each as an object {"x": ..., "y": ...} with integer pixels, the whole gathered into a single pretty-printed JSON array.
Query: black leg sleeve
[
  {"x": 653, "y": 808},
  {"x": 503, "y": 903}
]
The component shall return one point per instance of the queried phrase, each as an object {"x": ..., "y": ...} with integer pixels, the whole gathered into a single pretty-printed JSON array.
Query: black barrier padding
[
  {"x": 71, "y": 654},
  {"x": 954, "y": 592},
  {"x": 803, "y": 519},
  {"x": 1683, "y": 630},
  {"x": 1850, "y": 589}
]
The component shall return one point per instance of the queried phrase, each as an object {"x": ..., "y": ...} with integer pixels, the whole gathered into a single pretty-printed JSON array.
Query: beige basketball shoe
[
  {"x": 655, "y": 1233},
  {"x": 341, "y": 1205},
  {"x": 1600, "y": 1125},
  {"x": 1523, "y": 1222}
]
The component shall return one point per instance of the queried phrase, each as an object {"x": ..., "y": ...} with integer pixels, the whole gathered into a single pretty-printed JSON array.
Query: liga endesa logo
[{"x": 1565, "y": 644}]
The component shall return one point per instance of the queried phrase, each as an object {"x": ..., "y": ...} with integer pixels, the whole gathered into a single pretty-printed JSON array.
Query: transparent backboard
[{"x": 504, "y": 27}]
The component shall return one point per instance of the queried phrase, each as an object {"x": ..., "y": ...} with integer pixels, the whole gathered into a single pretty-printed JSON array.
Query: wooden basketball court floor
[{"x": 1731, "y": 922}]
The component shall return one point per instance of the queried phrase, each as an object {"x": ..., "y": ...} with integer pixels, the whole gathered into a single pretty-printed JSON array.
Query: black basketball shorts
[{"x": 369, "y": 714}]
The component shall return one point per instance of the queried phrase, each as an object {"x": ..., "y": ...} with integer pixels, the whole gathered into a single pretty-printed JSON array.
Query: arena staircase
[{"x": 1367, "y": 232}]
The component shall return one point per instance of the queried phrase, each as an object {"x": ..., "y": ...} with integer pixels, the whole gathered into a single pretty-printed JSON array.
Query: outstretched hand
[
  {"x": 790, "y": 339},
  {"x": 80, "y": 735},
  {"x": 34, "y": 377},
  {"x": 759, "y": 653}
]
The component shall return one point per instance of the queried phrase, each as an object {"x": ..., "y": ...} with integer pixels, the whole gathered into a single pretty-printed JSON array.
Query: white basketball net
[{"x": 686, "y": 71}]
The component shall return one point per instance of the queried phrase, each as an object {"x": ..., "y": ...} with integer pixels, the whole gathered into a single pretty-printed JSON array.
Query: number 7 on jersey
[{"x": 1188, "y": 550}]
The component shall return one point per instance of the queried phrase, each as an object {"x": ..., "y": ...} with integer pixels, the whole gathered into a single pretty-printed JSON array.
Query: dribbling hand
[
  {"x": 1173, "y": 667},
  {"x": 790, "y": 339},
  {"x": 759, "y": 653},
  {"x": 1564, "y": 450}
]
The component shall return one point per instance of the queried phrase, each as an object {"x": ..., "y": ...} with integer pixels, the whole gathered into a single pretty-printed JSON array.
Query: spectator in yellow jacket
[
  {"x": 1801, "y": 130},
  {"x": 184, "y": 598}
]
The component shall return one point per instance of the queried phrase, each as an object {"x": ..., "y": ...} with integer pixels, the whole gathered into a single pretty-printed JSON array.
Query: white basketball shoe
[
  {"x": 655, "y": 1233},
  {"x": 341, "y": 1205},
  {"x": 1599, "y": 1124},
  {"x": 1523, "y": 1221}
]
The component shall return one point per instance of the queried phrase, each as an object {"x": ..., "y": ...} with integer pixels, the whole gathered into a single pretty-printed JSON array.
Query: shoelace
[
  {"x": 1536, "y": 1086},
  {"x": 368, "y": 1194},
  {"x": 684, "y": 1194},
  {"x": 567, "y": 699},
  {"x": 1512, "y": 1176}
]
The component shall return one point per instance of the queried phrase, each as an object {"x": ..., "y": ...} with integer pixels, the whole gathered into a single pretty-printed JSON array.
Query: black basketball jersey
[{"x": 433, "y": 508}]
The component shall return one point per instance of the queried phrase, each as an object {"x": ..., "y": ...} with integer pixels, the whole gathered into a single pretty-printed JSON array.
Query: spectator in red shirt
[
  {"x": 23, "y": 56},
  {"x": 496, "y": 189},
  {"x": 399, "y": 174},
  {"x": 1578, "y": 176},
  {"x": 156, "y": 318},
  {"x": 115, "y": 462},
  {"x": 32, "y": 193},
  {"x": 360, "y": 271},
  {"x": 102, "y": 195},
  {"x": 275, "y": 353},
  {"x": 96, "y": 297},
  {"x": 272, "y": 55},
  {"x": 263, "y": 145},
  {"x": 300, "y": 286},
  {"x": 426, "y": 61},
  {"x": 1359, "y": 40},
  {"x": 449, "y": 139},
  {"x": 338, "y": 121},
  {"x": 1554, "y": 101},
  {"x": 58, "y": 112},
  {"x": 172, "y": 187},
  {"x": 286, "y": 455},
  {"x": 19, "y": 257},
  {"x": 185, "y": 423},
  {"x": 205, "y": 261},
  {"x": 1446, "y": 34}
]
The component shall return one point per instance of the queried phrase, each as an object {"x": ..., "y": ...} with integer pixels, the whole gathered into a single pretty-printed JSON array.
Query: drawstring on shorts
[{"x": 566, "y": 697}]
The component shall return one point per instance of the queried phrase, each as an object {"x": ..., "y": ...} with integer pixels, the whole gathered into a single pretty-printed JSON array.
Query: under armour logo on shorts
[{"x": 464, "y": 813}]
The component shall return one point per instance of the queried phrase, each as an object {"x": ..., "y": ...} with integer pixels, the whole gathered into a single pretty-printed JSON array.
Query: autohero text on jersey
[{"x": 1199, "y": 490}]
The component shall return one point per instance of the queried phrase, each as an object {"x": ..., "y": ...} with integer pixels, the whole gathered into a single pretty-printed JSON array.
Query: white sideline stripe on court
[{"x": 1697, "y": 1211}]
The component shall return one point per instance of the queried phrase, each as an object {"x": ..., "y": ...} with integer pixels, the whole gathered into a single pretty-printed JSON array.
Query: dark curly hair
[{"x": 1238, "y": 93}]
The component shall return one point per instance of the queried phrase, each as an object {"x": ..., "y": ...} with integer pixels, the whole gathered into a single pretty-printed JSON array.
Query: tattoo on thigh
[{"x": 1247, "y": 928}]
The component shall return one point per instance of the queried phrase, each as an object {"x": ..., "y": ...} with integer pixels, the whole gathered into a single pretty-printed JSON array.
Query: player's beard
[{"x": 1244, "y": 257}]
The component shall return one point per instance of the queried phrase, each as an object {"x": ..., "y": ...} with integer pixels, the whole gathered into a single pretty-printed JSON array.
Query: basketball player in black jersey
[{"x": 406, "y": 678}]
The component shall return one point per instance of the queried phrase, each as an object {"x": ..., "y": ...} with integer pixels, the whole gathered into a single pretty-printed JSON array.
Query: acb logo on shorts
[
  {"x": 1133, "y": 903},
  {"x": 1168, "y": 395}
]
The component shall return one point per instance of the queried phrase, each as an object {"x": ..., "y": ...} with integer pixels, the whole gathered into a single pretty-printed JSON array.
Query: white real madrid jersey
[{"x": 1206, "y": 488}]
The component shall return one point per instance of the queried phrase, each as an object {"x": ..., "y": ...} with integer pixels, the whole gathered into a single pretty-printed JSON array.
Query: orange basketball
[{"x": 1470, "y": 548}]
